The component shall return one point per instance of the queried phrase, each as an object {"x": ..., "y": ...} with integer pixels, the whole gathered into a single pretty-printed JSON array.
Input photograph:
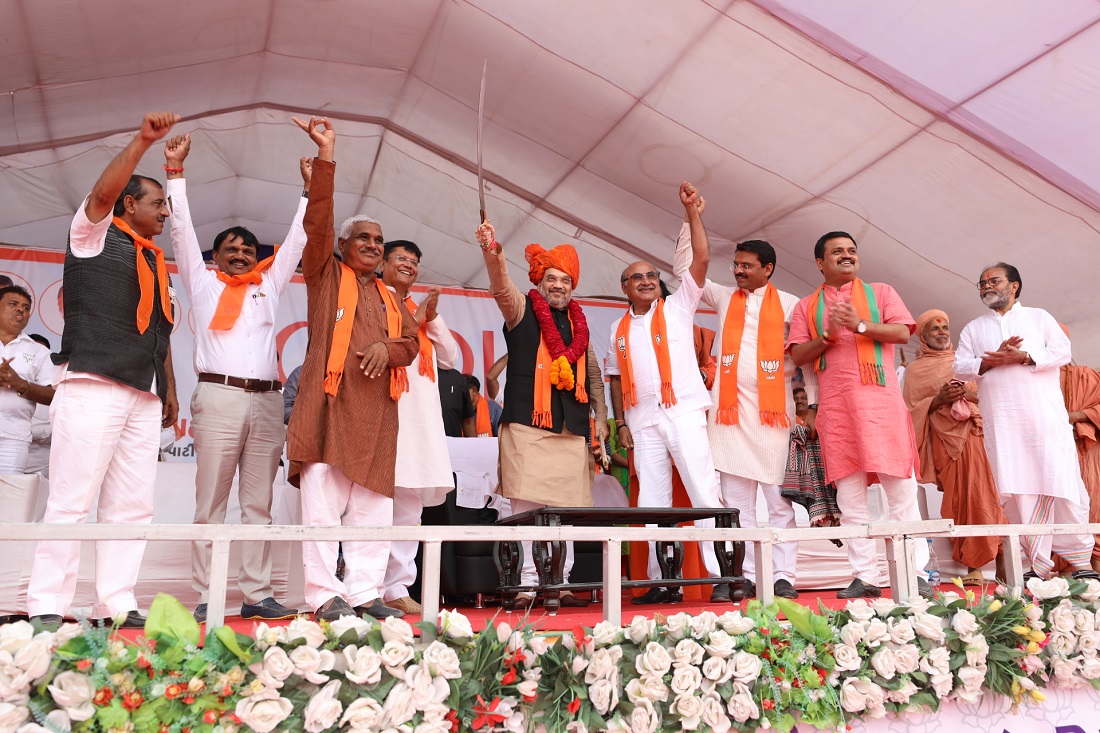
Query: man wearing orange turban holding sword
[{"x": 553, "y": 382}]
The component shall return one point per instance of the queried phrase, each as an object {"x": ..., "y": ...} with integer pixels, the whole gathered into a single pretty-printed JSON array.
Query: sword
[{"x": 480, "y": 121}]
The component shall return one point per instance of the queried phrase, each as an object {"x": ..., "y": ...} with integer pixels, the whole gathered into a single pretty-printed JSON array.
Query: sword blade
[{"x": 480, "y": 124}]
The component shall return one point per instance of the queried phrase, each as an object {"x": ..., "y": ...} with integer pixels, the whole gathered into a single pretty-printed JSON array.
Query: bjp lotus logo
[
  {"x": 620, "y": 344},
  {"x": 727, "y": 360},
  {"x": 769, "y": 367}
]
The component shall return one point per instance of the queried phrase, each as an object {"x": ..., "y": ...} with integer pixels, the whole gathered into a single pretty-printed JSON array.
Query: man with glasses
[
  {"x": 1014, "y": 353},
  {"x": 657, "y": 393},
  {"x": 749, "y": 423}
]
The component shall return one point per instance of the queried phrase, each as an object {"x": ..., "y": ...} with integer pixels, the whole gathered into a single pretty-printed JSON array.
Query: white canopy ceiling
[{"x": 943, "y": 135}]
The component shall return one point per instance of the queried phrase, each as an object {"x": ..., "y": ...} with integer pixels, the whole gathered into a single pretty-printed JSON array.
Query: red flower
[
  {"x": 768, "y": 704},
  {"x": 234, "y": 719},
  {"x": 132, "y": 700},
  {"x": 509, "y": 677},
  {"x": 452, "y": 718},
  {"x": 227, "y": 690},
  {"x": 103, "y": 696},
  {"x": 173, "y": 691},
  {"x": 189, "y": 699},
  {"x": 765, "y": 630},
  {"x": 579, "y": 637},
  {"x": 487, "y": 713},
  {"x": 142, "y": 661},
  {"x": 210, "y": 716},
  {"x": 550, "y": 334},
  {"x": 574, "y": 706},
  {"x": 83, "y": 664}
]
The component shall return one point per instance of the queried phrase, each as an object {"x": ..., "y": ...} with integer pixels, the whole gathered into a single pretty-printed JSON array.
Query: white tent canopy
[{"x": 943, "y": 135}]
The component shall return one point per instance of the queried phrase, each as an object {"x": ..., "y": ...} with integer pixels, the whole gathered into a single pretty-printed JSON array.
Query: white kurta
[
  {"x": 1027, "y": 433},
  {"x": 748, "y": 449},
  {"x": 422, "y": 459}
]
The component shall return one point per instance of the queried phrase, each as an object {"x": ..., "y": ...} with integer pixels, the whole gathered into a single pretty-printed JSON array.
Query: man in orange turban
[
  {"x": 554, "y": 382},
  {"x": 948, "y": 430}
]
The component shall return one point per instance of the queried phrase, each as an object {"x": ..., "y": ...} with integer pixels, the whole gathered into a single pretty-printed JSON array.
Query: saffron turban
[
  {"x": 563, "y": 257},
  {"x": 927, "y": 317}
]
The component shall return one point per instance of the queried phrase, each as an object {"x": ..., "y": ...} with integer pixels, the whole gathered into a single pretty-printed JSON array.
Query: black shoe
[
  {"x": 1086, "y": 574},
  {"x": 784, "y": 589},
  {"x": 568, "y": 600},
  {"x": 924, "y": 588},
  {"x": 133, "y": 620},
  {"x": 378, "y": 610},
  {"x": 653, "y": 595},
  {"x": 720, "y": 594},
  {"x": 335, "y": 609},
  {"x": 200, "y": 613},
  {"x": 48, "y": 621},
  {"x": 268, "y": 609},
  {"x": 859, "y": 589},
  {"x": 741, "y": 592}
]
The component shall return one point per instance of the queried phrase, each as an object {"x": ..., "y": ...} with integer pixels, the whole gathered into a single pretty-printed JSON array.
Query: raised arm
[
  {"x": 492, "y": 377},
  {"x": 509, "y": 298},
  {"x": 700, "y": 247},
  {"x": 185, "y": 243},
  {"x": 101, "y": 201},
  {"x": 318, "y": 220},
  {"x": 288, "y": 256}
]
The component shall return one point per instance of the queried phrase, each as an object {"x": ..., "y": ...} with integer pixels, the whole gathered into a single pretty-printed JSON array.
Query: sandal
[{"x": 974, "y": 577}]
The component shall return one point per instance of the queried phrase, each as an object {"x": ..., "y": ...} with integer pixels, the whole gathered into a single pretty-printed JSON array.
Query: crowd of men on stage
[{"x": 987, "y": 422}]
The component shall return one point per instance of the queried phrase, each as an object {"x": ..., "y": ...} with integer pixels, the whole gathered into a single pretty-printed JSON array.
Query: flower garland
[
  {"x": 738, "y": 670},
  {"x": 561, "y": 373}
]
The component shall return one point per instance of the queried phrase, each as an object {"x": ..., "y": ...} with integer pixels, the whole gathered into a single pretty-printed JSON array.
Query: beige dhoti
[{"x": 547, "y": 468}]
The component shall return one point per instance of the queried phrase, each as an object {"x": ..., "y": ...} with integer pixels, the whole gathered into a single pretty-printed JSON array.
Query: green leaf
[
  {"x": 170, "y": 622},
  {"x": 112, "y": 716},
  {"x": 798, "y": 615},
  {"x": 228, "y": 637}
]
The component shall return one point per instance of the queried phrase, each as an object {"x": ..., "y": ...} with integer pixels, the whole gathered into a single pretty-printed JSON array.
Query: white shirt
[
  {"x": 1028, "y": 436},
  {"x": 691, "y": 393},
  {"x": 248, "y": 349},
  {"x": 31, "y": 361},
  {"x": 748, "y": 449}
]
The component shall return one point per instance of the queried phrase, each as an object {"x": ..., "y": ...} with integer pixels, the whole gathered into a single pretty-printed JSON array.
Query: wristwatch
[{"x": 861, "y": 327}]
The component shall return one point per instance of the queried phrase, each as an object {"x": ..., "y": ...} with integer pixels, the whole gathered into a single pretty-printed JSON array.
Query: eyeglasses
[
  {"x": 640, "y": 277},
  {"x": 403, "y": 260},
  {"x": 992, "y": 282}
]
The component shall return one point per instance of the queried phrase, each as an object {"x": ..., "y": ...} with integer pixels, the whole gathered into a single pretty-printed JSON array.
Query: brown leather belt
[{"x": 248, "y": 385}]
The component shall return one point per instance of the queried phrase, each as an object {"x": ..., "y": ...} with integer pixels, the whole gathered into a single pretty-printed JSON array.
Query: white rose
[
  {"x": 538, "y": 646},
  {"x": 732, "y": 622},
  {"x": 443, "y": 661},
  {"x": 852, "y": 633},
  {"x": 884, "y": 663},
  {"x": 903, "y": 693},
  {"x": 1060, "y": 643},
  {"x": 364, "y": 665},
  {"x": 618, "y": 725},
  {"x": 647, "y": 687},
  {"x": 745, "y": 667},
  {"x": 73, "y": 692},
  {"x": 1087, "y": 644},
  {"x": 883, "y": 606},
  {"x": 14, "y": 636},
  {"x": 310, "y": 663},
  {"x": 362, "y": 715},
  {"x": 847, "y": 658},
  {"x": 919, "y": 605},
  {"x": 860, "y": 610},
  {"x": 603, "y": 695},
  {"x": 1045, "y": 589},
  {"x": 303, "y": 628},
  {"x": 901, "y": 630},
  {"x": 579, "y": 664},
  {"x": 1083, "y": 620},
  {"x": 67, "y": 632},
  {"x": 654, "y": 659},
  {"x": 742, "y": 707},
  {"x": 394, "y": 629},
  {"x": 703, "y": 624},
  {"x": 968, "y": 694},
  {"x": 267, "y": 636},
  {"x": 977, "y": 649},
  {"x": 395, "y": 655},
  {"x": 428, "y": 691},
  {"x": 34, "y": 658},
  {"x": 941, "y": 684},
  {"x": 930, "y": 627},
  {"x": 971, "y": 677},
  {"x": 323, "y": 709},
  {"x": 606, "y": 633},
  {"x": 1064, "y": 671},
  {"x": 345, "y": 624},
  {"x": 263, "y": 711},
  {"x": 907, "y": 658},
  {"x": 275, "y": 668},
  {"x": 454, "y": 625},
  {"x": 643, "y": 718},
  {"x": 938, "y": 661},
  {"x": 876, "y": 633},
  {"x": 714, "y": 668},
  {"x": 56, "y": 720},
  {"x": 685, "y": 680},
  {"x": 714, "y": 715},
  {"x": 853, "y": 694},
  {"x": 1090, "y": 668},
  {"x": 641, "y": 630},
  {"x": 1091, "y": 594},
  {"x": 1060, "y": 617},
  {"x": 399, "y": 707},
  {"x": 964, "y": 622},
  {"x": 688, "y": 651},
  {"x": 678, "y": 626},
  {"x": 720, "y": 644},
  {"x": 12, "y": 716},
  {"x": 690, "y": 710},
  {"x": 602, "y": 666}
]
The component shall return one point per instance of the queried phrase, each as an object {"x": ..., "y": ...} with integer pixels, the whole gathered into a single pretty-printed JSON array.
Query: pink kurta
[{"x": 863, "y": 427}]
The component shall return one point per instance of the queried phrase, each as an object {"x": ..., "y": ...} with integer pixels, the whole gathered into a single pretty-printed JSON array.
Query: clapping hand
[
  {"x": 425, "y": 312},
  {"x": 8, "y": 377}
]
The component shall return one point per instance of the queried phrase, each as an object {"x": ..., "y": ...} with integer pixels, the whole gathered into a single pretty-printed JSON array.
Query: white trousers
[
  {"x": 851, "y": 497},
  {"x": 106, "y": 438},
  {"x": 683, "y": 440},
  {"x": 408, "y": 505},
  {"x": 1076, "y": 549},
  {"x": 329, "y": 498},
  {"x": 528, "y": 574},
  {"x": 13, "y": 455},
  {"x": 740, "y": 493}
]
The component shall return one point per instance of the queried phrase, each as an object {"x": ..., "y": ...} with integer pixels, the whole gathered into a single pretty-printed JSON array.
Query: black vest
[
  {"x": 101, "y": 300},
  {"x": 519, "y": 390}
]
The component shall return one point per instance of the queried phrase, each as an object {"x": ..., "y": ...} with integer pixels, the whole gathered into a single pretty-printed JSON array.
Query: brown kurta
[
  {"x": 356, "y": 430},
  {"x": 952, "y": 452},
  {"x": 1081, "y": 388}
]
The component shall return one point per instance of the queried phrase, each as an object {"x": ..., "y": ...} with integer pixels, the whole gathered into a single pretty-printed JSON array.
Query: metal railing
[{"x": 900, "y": 540}]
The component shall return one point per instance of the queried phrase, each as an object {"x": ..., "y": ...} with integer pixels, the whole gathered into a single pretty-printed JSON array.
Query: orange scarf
[
  {"x": 484, "y": 421},
  {"x": 347, "y": 298},
  {"x": 542, "y": 416},
  {"x": 868, "y": 351},
  {"x": 659, "y": 333},
  {"x": 427, "y": 351},
  {"x": 145, "y": 278},
  {"x": 232, "y": 297},
  {"x": 769, "y": 360}
]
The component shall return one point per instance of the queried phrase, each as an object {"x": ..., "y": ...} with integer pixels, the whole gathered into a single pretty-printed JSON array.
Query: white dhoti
[
  {"x": 740, "y": 493},
  {"x": 851, "y": 497}
]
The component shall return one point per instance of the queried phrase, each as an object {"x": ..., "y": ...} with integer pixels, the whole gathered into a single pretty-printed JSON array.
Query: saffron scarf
[
  {"x": 145, "y": 278},
  {"x": 484, "y": 421},
  {"x": 659, "y": 334},
  {"x": 770, "y": 384},
  {"x": 232, "y": 298},
  {"x": 554, "y": 357},
  {"x": 427, "y": 351},
  {"x": 347, "y": 299},
  {"x": 868, "y": 351}
]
